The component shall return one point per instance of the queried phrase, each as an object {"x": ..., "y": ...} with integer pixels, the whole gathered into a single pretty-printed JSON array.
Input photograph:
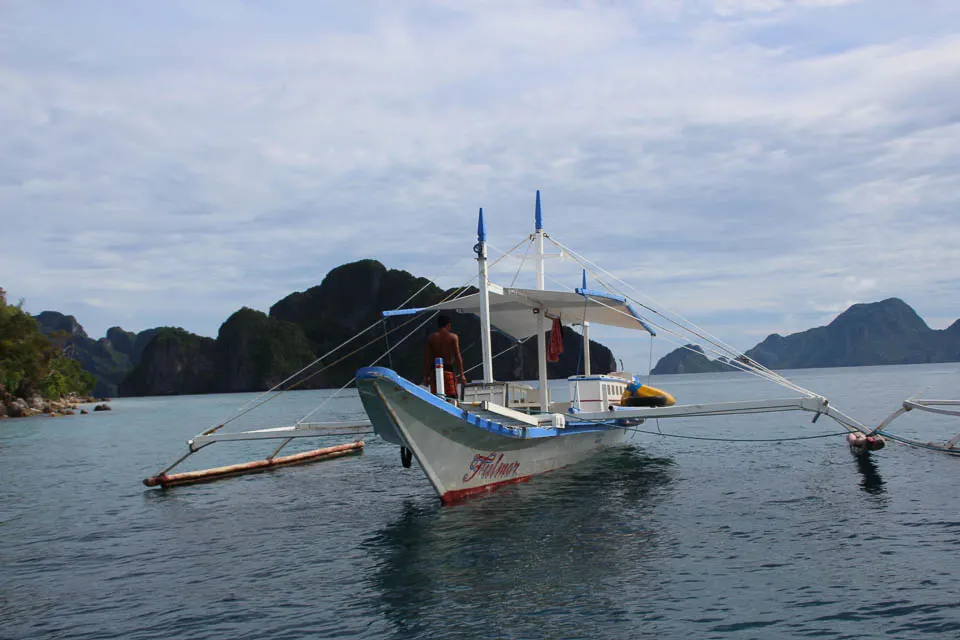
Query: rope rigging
[
  {"x": 735, "y": 358},
  {"x": 681, "y": 342},
  {"x": 674, "y": 327},
  {"x": 279, "y": 388}
]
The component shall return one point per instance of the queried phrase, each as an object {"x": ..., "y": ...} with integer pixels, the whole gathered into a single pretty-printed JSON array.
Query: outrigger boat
[{"x": 500, "y": 432}]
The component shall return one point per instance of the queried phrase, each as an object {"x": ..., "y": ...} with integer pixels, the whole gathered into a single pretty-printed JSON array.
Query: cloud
[{"x": 747, "y": 163}]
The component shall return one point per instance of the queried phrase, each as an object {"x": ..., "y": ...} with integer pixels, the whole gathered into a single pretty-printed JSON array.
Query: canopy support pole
[
  {"x": 586, "y": 348},
  {"x": 541, "y": 320},
  {"x": 485, "y": 346}
]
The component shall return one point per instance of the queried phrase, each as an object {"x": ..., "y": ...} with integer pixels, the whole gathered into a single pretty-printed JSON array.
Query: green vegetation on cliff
[
  {"x": 350, "y": 299},
  {"x": 175, "y": 362},
  {"x": 255, "y": 351},
  {"x": 109, "y": 359},
  {"x": 252, "y": 352},
  {"x": 31, "y": 363}
]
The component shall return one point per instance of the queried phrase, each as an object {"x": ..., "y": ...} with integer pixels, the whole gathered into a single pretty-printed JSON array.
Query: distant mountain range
[
  {"x": 254, "y": 351},
  {"x": 878, "y": 333}
]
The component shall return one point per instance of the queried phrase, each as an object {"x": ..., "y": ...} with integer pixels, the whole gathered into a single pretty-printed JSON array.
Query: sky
[{"x": 753, "y": 165}]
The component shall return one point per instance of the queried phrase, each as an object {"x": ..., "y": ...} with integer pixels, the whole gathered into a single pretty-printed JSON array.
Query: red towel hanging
[{"x": 555, "y": 347}]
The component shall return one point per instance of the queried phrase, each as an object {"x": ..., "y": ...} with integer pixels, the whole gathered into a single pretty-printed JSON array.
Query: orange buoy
[{"x": 865, "y": 442}]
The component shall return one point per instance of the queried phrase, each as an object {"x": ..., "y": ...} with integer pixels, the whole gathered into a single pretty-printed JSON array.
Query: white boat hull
[{"x": 464, "y": 452}]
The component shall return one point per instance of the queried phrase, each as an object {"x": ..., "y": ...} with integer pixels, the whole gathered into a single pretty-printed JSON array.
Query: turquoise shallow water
[{"x": 665, "y": 538}]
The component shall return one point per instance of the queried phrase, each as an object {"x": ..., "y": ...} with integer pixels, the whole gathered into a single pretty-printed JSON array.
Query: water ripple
[{"x": 662, "y": 539}]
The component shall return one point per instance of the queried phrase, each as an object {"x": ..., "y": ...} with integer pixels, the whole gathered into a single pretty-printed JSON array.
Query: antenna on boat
[
  {"x": 484, "y": 285},
  {"x": 541, "y": 321}
]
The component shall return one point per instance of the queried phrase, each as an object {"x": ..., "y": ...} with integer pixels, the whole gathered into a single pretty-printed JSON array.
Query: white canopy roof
[{"x": 514, "y": 311}]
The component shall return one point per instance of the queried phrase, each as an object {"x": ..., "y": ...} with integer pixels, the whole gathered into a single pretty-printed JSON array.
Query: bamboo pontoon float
[
  {"x": 257, "y": 466},
  {"x": 164, "y": 479}
]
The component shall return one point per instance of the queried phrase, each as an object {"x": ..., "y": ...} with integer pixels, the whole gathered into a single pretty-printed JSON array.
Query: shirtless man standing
[{"x": 445, "y": 344}]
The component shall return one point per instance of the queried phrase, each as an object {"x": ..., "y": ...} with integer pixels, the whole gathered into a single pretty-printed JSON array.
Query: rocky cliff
[
  {"x": 174, "y": 362},
  {"x": 254, "y": 351},
  {"x": 885, "y": 332},
  {"x": 878, "y": 333},
  {"x": 689, "y": 359},
  {"x": 352, "y": 297}
]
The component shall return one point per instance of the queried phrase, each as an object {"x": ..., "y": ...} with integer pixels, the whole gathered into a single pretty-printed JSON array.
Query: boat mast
[
  {"x": 481, "y": 251},
  {"x": 541, "y": 320},
  {"x": 586, "y": 335}
]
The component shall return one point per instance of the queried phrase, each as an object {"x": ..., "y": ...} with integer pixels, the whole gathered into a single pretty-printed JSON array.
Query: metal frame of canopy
[{"x": 514, "y": 312}]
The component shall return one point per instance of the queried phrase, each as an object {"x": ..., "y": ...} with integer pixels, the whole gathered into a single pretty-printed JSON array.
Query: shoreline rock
[{"x": 15, "y": 407}]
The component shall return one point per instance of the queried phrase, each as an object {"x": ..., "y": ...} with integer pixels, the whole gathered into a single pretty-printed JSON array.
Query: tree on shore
[{"x": 30, "y": 363}]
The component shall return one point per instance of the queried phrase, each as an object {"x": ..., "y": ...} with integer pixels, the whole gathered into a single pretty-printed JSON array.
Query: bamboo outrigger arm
[
  {"x": 813, "y": 404},
  {"x": 930, "y": 406},
  {"x": 303, "y": 430},
  {"x": 285, "y": 434}
]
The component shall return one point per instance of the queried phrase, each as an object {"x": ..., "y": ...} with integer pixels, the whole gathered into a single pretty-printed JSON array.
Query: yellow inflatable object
[{"x": 641, "y": 395}]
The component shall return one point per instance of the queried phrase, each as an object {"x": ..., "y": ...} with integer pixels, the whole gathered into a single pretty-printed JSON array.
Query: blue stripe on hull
[{"x": 384, "y": 425}]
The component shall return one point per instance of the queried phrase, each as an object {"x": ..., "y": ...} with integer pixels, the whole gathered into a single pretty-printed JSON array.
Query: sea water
[{"x": 665, "y": 538}]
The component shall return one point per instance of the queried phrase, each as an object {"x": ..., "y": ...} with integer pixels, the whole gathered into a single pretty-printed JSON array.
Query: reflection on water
[
  {"x": 871, "y": 482},
  {"x": 527, "y": 555}
]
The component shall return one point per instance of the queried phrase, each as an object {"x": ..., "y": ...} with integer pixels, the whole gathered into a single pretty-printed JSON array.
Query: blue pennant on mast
[{"x": 539, "y": 214}]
